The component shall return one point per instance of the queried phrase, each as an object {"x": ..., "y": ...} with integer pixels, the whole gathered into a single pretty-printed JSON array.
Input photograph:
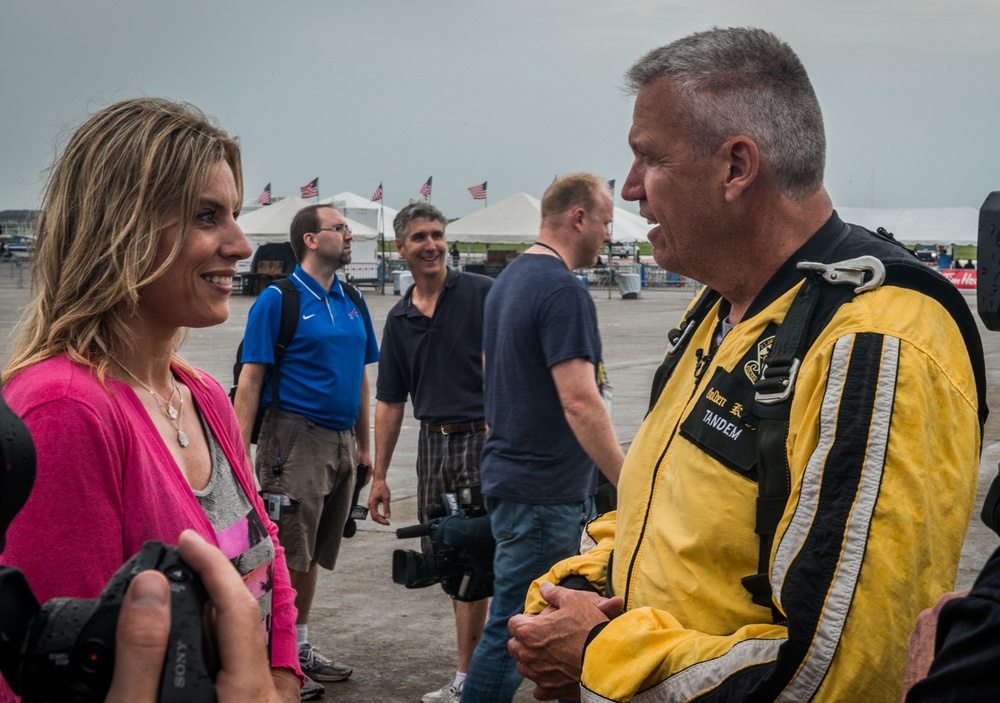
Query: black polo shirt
[{"x": 437, "y": 361}]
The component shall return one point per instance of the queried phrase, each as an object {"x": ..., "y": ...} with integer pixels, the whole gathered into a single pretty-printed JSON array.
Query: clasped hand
[{"x": 549, "y": 645}]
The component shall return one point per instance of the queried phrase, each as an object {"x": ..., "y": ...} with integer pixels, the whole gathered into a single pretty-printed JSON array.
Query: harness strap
[
  {"x": 813, "y": 307},
  {"x": 772, "y": 407},
  {"x": 678, "y": 340}
]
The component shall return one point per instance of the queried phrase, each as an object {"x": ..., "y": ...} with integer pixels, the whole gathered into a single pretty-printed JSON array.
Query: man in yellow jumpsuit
[{"x": 882, "y": 438}]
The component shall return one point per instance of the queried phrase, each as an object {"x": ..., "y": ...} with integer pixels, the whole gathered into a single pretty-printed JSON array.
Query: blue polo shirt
[{"x": 322, "y": 367}]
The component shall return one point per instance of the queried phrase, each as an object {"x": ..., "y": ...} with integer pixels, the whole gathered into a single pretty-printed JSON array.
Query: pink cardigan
[{"x": 107, "y": 483}]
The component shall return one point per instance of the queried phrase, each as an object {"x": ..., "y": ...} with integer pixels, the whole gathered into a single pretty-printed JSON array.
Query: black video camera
[
  {"x": 988, "y": 258},
  {"x": 463, "y": 563},
  {"x": 65, "y": 650}
]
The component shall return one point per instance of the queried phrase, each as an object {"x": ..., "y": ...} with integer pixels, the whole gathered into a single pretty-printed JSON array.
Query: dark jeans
[{"x": 530, "y": 539}]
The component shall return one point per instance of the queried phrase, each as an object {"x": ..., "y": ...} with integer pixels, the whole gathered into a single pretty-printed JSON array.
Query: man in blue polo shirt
[
  {"x": 432, "y": 351},
  {"x": 310, "y": 444}
]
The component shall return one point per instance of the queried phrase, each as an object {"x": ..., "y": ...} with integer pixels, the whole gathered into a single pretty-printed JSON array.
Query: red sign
[{"x": 961, "y": 278}]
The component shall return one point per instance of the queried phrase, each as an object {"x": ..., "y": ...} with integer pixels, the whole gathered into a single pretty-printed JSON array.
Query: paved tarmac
[{"x": 401, "y": 642}]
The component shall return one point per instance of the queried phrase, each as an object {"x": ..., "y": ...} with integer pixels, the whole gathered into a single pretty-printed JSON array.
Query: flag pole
[
  {"x": 611, "y": 232},
  {"x": 381, "y": 234}
]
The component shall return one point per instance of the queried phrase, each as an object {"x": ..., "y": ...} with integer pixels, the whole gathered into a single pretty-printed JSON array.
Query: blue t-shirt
[
  {"x": 322, "y": 367},
  {"x": 537, "y": 314}
]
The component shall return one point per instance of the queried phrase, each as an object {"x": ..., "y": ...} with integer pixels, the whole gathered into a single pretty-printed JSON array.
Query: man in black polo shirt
[{"x": 432, "y": 351}]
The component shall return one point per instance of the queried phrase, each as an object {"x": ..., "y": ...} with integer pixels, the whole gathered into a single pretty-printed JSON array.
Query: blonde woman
[{"x": 137, "y": 240}]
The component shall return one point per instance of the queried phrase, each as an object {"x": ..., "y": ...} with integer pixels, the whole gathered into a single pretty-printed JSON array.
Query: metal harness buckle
[
  {"x": 784, "y": 379},
  {"x": 676, "y": 337},
  {"x": 850, "y": 272}
]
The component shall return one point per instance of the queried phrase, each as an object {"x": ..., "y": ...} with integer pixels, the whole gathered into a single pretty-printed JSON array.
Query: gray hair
[
  {"x": 416, "y": 210},
  {"x": 744, "y": 80}
]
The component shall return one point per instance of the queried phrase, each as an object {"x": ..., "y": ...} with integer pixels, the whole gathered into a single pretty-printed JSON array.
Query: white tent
[
  {"x": 929, "y": 225},
  {"x": 629, "y": 227},
  {"x": 271, "y": 223},
  {"x": 946, "y": 225},
  {"x": 363, "y": 210},
  {"x": 513, "y": 220}
]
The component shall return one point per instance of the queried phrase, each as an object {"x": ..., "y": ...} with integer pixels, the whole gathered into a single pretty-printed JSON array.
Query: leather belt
[{"x": 454, "y": 428}]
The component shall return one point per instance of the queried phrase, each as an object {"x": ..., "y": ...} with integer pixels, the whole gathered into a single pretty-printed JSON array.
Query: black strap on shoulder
[
  {"x": 812, "y": 309},
  {"x": 772, "y": 407},
  {"x": 677, "y": 341},
  {"x": 948, "y": 295},
  {"x": 286, "y": 331},
  {"x": 354, "y": 295},
  {"x": 918, "y": 277}
]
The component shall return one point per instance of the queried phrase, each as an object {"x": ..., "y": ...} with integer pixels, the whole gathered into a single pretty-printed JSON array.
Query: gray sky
[{"x": 510, "y": 92}]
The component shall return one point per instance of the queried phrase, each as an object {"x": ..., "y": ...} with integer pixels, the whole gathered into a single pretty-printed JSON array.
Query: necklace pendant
[
  {"x": 182, "y": 439},
  {"x": 172, "y": 412}
]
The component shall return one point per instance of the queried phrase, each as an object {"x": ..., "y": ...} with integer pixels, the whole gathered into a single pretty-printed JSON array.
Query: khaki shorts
[{"x": 318, "y": 475}]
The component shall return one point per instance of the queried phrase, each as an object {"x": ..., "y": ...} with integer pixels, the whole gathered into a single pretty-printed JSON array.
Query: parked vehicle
[
  {"x": 18, "y": 246},
  {"x": 624, "y": 250},
  {"x": 926, "y": 252}
]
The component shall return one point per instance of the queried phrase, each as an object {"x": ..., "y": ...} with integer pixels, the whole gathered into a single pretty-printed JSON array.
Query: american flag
[
  {"x": 611, "y": 187},
  {"x": 425, "y": 189},
  {"x": 310, "y": 189},
  {"x": 478, "y": 192},
  {"x": 377, "y": 195},
  {"x": 265, "y": 197}
]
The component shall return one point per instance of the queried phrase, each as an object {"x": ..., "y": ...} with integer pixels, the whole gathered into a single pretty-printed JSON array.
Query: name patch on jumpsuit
[{"x": 721, "y": 425}]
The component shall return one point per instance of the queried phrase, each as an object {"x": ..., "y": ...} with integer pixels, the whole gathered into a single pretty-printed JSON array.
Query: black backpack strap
[
  {"x": 677, "y": 341},
  {"x": 354, "y": 294},
  {"x": 286, "y": 331}
]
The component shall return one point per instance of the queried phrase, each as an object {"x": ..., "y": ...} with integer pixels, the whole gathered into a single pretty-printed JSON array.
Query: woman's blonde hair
[{"x": 131, "y": 171}]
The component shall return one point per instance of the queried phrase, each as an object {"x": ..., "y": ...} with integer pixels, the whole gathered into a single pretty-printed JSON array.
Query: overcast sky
[{"x": 510, "y": 92}]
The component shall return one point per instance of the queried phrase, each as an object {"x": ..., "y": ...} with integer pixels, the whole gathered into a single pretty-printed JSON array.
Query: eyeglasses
[{"x": 335, "y": 228}]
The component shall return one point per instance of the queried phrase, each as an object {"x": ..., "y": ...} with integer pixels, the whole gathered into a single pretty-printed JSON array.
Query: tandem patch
[{"x": 721, "y": 424}]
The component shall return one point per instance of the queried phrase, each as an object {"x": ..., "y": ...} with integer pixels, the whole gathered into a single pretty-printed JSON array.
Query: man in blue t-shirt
[
  {"x": 548, "y": 424},
  {"x": 310, "y": 445}
]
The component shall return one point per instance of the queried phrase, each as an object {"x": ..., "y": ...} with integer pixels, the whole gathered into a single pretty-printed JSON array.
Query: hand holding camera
[
  {"x": 147, "y": 636},
  {"x": 144, "y": 624}
]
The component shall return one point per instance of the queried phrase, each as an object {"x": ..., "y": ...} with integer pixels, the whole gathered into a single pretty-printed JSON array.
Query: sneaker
[
  {"x": 311, "y": 690},
  {"x": 319, "y": 667},
  {"x": 445, "y": 694}
]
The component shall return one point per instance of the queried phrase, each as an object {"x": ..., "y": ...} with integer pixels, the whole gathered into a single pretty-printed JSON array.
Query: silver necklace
[{"x": 175, "y": 416}]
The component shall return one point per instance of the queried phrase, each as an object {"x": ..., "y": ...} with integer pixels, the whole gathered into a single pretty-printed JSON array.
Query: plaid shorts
[{"x": 445, "y": 462}]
